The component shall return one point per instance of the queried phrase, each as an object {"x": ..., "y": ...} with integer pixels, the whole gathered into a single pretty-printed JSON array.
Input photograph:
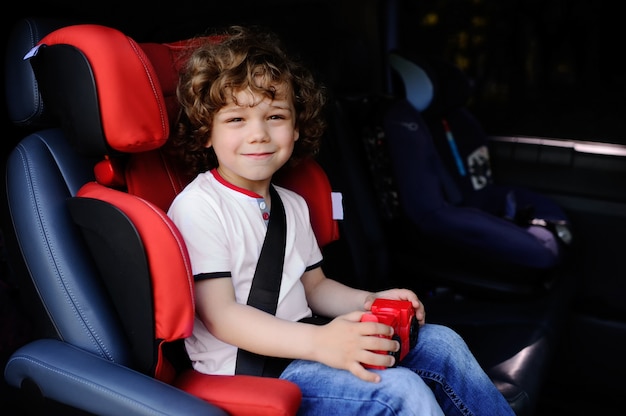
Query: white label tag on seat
[
  {"x": 337, "y": 199},
  {"x": 31, "y": 52}
]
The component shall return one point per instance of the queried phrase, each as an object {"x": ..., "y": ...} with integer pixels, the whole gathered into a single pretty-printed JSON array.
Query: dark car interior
[{"x": 477, "y": 149}]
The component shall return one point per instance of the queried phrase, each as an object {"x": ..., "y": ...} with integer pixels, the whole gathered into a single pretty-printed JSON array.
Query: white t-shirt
[{"x": 224, "y": 227}]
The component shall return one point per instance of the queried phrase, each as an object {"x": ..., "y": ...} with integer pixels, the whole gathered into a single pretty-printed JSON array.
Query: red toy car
[{"x": 400, "y": 315}]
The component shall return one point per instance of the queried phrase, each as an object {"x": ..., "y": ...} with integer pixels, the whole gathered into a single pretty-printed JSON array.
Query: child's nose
[{"x": 258, "y": 131}]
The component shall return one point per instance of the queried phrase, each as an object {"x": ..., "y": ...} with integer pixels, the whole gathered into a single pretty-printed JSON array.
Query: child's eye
[
  {"x": 234, "y": 120},
  {"x": 277, "y": 117}
]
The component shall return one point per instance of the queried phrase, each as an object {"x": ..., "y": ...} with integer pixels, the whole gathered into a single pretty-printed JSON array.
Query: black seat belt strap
[{"x": 266, "y": 282}]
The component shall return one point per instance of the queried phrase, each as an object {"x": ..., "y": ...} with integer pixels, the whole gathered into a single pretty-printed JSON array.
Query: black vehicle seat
[
  {"x": 513, "y": 337},
  {"x": 87, "y": 202},
  {"x": 494, "y": 236}
]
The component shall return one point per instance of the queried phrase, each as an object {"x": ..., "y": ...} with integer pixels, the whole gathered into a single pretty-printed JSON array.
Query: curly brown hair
[{"x": 242, "y": 58}]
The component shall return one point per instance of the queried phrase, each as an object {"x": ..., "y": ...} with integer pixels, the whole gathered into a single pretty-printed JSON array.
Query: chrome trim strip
[{"x": 598, "y": 148}]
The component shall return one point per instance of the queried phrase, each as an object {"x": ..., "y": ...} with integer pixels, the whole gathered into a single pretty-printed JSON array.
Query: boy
[{"x": 247, "y": 110}]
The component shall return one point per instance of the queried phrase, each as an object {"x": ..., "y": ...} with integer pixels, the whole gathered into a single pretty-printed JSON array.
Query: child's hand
[
  {"x": 399, "y": 294},
  {"x": 345, "y": 343}
]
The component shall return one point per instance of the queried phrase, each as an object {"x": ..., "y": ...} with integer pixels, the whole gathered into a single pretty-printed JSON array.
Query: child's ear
[
  {"x": 296, "y": 134},
  {"x": 208, "y": 143}
]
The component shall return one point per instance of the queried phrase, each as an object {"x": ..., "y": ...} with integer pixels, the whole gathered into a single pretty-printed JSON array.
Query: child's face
[{"x": 253, "y": 138}]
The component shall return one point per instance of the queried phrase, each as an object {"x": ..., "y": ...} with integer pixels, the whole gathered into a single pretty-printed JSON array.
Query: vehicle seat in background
[
  {"x": 87, "y": 200},
  {"x": 476, "y": 232},
  {"x": 513, "y": 338}
]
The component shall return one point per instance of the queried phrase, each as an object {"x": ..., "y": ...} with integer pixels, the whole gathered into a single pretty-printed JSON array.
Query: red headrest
[
  {"x": 132, "y": 107},
  {"x": 309, "y": 180},
  {"x": 136, "y": 83}
]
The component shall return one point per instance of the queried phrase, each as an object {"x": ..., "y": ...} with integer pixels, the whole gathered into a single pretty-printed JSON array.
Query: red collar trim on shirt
[{"x": 227, "y": 184}]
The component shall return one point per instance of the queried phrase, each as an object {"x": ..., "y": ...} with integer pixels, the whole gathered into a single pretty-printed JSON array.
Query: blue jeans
[{"x": 439, "y": 376}]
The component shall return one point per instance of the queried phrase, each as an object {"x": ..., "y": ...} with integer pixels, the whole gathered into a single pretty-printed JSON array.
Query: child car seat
[
  {"x": 87, "y": 201},
  {"x": 511, "y": 239},
  {"x": 513, "y": 339}
]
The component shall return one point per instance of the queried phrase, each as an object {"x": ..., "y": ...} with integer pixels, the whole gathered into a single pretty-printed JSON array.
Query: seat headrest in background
[
  {"x": 432, "y": 85},
  {"x": 24, "y": 103},
  {"x": 417, "y": 88},
  {"x": 453, "y": 87}
]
